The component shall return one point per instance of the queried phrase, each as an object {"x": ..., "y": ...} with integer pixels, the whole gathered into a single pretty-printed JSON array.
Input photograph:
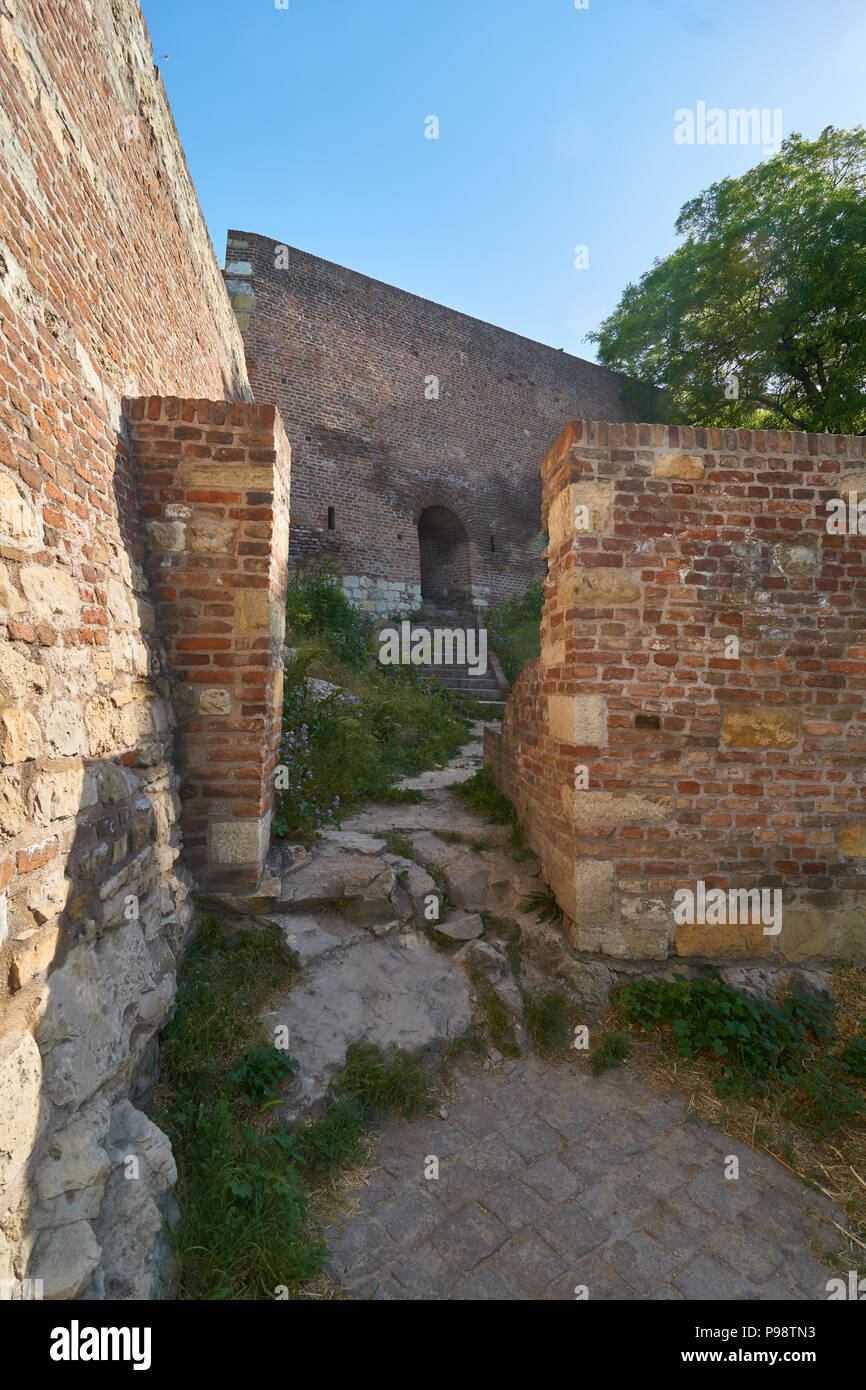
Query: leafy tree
[{"x": 759, "y": 318}]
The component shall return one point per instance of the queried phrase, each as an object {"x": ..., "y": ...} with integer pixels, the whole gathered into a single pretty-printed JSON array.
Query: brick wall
[
  {"x": 108, "y": 288},
  {"x": 213, "y": 484},
  {"x": 350, "y": 362},
  {"x": 737, "y": 764}
]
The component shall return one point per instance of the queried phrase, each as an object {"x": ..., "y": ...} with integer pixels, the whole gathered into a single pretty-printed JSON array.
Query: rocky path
[{"x": 536, "y": 1180}]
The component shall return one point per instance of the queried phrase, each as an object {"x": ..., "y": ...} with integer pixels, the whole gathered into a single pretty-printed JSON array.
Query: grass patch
[
  {"x": 514, "y": 625},
  {"x": 352, "y": 744},
  {"x": 493, "y": 1020},
  {"x": 244, "y": 1179},
  {"x": 401, "y": 845},
  {"x": 615, "y": 1047},
  {"x": 548, "y": 1018},
  {"x": 402, "y": 796}
]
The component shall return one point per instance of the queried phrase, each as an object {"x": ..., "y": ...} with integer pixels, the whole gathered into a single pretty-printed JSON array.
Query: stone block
[
  {"x": 20, "y": 1087},
  {"x": 794, "y": 558},
  {"x": 214, "y": 700},
  {"x": 578, "y": 719},
  {"x": 614, "y": 808},
  {"x": 604, "y": 588},
  {"x": 851, "y": 840},
  {"x": 731, "y": 939},
  {"x": 252, "y": 609},
  {"x": 208, "y": 536},
  {"x": 677, "y": 465},
  {"x": 63, "y": 727},
  {"x": 166, "y": 537},
  {"x": 593, "y": 891},
  {"x": 238, "y": 841},
  {"x": 11, "y": 601},
  {"x": 853, "y": 482},
  {"x": 563, "y": 521},
  {"x": 66, "y": 1260},
  {"x": 20, "y": 521},
  {"x": 21, "y": 736},
  {"x": 760, "y": 726}
]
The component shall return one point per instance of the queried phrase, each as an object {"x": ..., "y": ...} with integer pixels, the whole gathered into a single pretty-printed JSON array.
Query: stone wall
[
  {"x": 645, "y": 750},
  {"x": 108, "y": 289},
  {"x": 394, "y": 404}
]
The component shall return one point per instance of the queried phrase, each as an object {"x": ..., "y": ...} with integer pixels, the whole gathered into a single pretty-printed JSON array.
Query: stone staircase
[{"x": 486, "y": 689}]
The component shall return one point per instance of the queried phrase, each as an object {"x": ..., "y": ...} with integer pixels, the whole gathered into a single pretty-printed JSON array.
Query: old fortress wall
[
  {"x": 645, "y": 750},
  {"x": 406, "y": 417},
  {"x": 120, "y": 353}
]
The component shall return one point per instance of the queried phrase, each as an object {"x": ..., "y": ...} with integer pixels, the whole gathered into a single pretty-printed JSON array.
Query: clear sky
[{"x": 556, "y": 130}]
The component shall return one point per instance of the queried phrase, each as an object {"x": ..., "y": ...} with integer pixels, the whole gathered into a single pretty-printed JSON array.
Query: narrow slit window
[
  {"x": 493, "y": 545},
  {"x": 332, "y": 524}
]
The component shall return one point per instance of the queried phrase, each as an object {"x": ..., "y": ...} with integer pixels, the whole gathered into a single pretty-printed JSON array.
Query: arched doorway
[{"x": 443, "y": 544}]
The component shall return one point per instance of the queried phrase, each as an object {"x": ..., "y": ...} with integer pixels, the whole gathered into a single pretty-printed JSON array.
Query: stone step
[{"x": 478, "y": 688}]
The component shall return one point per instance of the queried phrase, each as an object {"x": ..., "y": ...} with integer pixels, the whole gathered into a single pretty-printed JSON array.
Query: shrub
[
  {"x": 757, "y": 1044},
  {"x": 514, "y": 628},
  {"x": 752, "y": 1037},
  {"x": 542, "y": 901},
  {"x": 612, "y": 1051},
  {"x": 317, "y": 607}
]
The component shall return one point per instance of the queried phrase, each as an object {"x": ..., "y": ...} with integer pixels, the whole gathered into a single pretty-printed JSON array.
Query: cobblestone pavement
[{"x": 550, "y": 1179}]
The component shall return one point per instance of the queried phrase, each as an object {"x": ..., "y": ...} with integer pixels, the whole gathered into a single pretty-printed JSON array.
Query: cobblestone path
[{"x": 552, "y": 1181}]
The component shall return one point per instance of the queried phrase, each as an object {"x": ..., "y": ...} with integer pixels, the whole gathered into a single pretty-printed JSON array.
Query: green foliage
[
  {"x": 383, "y": 1082},
  {"x": 493, "y": 1019},
  {"x": 402, "y": 845},
  {"x": 756, "y": 1043},
  {"x": 402, "y": 796},
  {"x": 542, "y": 901},
  {"x": 261, "y": 1075},
  {"x": 769, "y": 285},
  {"x": 514, "y": 629},
  {"x": 318, "y": 607},
  {"x": 244, "y": 1227},
  {"x": 811, "y": 1015},
  {"x": 753, "y": 1037},
  {"x": 332, "y": 1141},
  {"x": 548, "y": 1018},
  {"x": 852, "y": 1059},
  {"x": 481, "y": 793},
  {"x": 371, "y": 1084},
  {"x": 612, "y": 1051},
  {"x": 822, "y": 1101}
]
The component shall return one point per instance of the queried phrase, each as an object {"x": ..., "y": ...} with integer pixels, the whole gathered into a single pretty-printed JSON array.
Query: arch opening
[{"x": 443, "y": 544}]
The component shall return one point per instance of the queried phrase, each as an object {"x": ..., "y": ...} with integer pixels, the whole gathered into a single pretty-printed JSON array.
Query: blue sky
[{"x": 556, "y": 130}]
